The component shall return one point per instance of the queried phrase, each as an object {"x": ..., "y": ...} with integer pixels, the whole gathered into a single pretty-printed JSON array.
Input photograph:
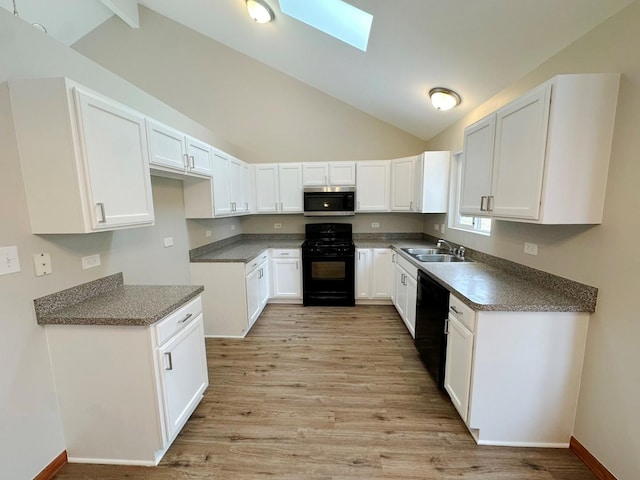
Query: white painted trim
[
  {"x": 127, "y": 10},
  {"x": 113, "y": 461}
]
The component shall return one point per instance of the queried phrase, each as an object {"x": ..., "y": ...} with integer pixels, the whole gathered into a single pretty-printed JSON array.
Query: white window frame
[{"x": 478, "y": 225}]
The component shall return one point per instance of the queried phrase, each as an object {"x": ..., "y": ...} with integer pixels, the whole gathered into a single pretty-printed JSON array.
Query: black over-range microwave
[{"x": 329, "y": 201}]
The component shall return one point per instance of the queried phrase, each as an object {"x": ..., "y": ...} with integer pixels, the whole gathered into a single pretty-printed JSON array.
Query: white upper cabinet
[
  {"x": 431, "y": 177},
  {"x": 402, "y": 184},
  {"x": 229, "y": 194},
  {"x": 172, "y": 150},
  {"x": 278, "y": 187},
  {"x": 476, "y": 167},
  {"x": 372, "y": 186},
  {"x": 420, "y": 183},
  {"x": 84, "y": 157},
  {"x": 548, "y": 158},
  {"x": 319, "y": 174}
]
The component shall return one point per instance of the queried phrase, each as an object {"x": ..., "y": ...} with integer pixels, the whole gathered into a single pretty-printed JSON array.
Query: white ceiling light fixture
[
  {"x": 259, "y": 11},
  {"x": 39, "y": 26},
  {"x": 444, "y": 98}
]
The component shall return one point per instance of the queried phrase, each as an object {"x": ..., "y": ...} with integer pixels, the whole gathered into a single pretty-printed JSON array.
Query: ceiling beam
[{"x": 127, "y": 10}]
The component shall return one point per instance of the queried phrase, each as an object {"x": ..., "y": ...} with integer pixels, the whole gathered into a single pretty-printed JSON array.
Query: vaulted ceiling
[{"x": 476, "y": 47}]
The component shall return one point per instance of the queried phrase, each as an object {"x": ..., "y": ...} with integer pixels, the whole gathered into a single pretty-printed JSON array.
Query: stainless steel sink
[
  {"x": 425, "y": 251},
  {"x": 439, "y": 258},
  {"x": 433, "y": 255}
]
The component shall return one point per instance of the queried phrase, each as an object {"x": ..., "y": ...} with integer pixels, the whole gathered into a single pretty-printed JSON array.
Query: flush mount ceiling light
[
  {"x": 444, "y": 98},
  {"x": 259, "y": 11}
]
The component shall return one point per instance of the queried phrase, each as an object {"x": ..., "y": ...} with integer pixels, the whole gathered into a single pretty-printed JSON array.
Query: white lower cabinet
[
  {"x": 457, "y": 377},
  {"x": 286, "y": 274},
  {"x": 235, "y": 294},
  {"x": 374, "y": 277},
  {"x": 125, "y": 392},
  {"x": 515, "y": 376},
  {"x": 257, "y": 284},
  {"x": 405, "y": 292}
]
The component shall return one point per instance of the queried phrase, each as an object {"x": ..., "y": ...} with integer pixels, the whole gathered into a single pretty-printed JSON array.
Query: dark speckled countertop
[
  {"x": 486, "y": 283},
  {"x": 108, "y": 302}
]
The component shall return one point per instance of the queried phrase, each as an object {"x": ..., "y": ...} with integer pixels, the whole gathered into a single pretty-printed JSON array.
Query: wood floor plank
[{"x": 330, "y": 393}]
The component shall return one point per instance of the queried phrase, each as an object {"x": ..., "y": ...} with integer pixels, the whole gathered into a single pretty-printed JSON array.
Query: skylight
[{"x": 333, "y": 17}]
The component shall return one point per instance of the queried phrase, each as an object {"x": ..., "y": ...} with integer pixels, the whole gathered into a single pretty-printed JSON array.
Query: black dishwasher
[{"x": 432, "y": 307}]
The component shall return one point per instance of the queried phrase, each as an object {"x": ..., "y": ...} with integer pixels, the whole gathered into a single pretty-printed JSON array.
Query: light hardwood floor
[{"x": 330, "y": 393}]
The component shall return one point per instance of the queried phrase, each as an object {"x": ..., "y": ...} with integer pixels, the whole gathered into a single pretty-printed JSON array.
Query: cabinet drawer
[
  {"x": 177, "y": 320},
  {"x": 462, "y": 312},
  {"x": 410, "y": 268},
  {"x": 251, "y": 265},
  {"x": 285, "y": 253}
]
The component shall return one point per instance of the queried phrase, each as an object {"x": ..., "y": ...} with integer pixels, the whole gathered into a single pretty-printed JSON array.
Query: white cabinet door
[
  {"x": 412, "y": 294},
  {"x": 431, "y": 182},
  {"x": 381, "y": 273},
  {"x": 373, "y": 186},
  {"x": 264, "y": 289},
  {"x": 476, "y": 167},
  {"x": 290, "y": 187},
  {"x": 363, "y": 272},
  {"x": 315, "y": 174},
  {"x": 286, "y": 279},
  {"x": 267, "y": 192},
  {"x": 221, "y": 184},
  {"x": 166, "y": 146},
  {"x": 184, "y": 375},
  {"x": 519, "y": 153},
  {"x": 457, "y": 377},
  {"x": 198, "y": 156},
  {"x": 253, "y": 296},
  {"x": 114, "y": 145},
  {"x": 249, "y": 189},
  {"x": 236, "y": 185},
  {"x": 402, "y": 184},
  {"x": 400, "y": 300},
  {"x": 342, "y": 173}
]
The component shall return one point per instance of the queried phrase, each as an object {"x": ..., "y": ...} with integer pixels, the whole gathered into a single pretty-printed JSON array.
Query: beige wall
[
  {"x": 270, "y": 116},
  {"x": 605, "y": 256}
]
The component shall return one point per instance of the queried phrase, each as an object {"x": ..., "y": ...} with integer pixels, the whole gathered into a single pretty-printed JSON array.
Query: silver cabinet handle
[
  {"x": 103, "y": 216},
  {"x": 185, "y": 160},
  {"x": 393, "y": 258},
  {"x": 411, "y": 205},
  {"x": 490, "y": 203},
  {"x": 187, "y": 317},
  {"x": 359, "y": 255},
  {"x": 168, "y": 357},
  {"x": 246, "y": 206},
  {"x": 193, "y": 161},
  {"x": 281, "y": 207},
  {"x": 284, "y": 253},
  {"x": 455, "y": 310},
  {"x": 482, "y": 200}
]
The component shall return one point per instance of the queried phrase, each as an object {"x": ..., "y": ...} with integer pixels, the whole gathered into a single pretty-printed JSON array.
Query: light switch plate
[
  {"x": 375, "y": 224},
  {"x": 168, "y": 242},
  {"x": 9, "y": 262},
  {"x": 531, "y": 248},
  {"x": 42, "y": 264}
]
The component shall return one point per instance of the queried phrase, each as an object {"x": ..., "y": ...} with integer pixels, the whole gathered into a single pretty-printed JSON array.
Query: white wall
[{"x": 605, "y": 256}]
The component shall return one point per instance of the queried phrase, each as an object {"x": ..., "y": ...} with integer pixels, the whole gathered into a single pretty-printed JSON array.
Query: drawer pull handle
[
  {"x": 284, "y": 253},
  {"x": 189, "y": 315},
  {"x": 168, "y": 357},
  {"x": 103, "y": 216},
  {"x": 455, "y": 310}
]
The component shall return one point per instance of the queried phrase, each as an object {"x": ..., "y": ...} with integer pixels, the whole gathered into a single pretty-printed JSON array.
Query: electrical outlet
[
  {"x": 531, "y": 248},
  {"x": 9, "y": 262},
  {"x": 436, "y": 227},
  {"x": 42, "y": 264},
  {"x": 207, "y": 233},
  {"x": 375, "y": 224},
  {"x": 277, "y": 225},
  {"x": 168, "y": 242},
  {"x": 233, "y": 227},
  {"x": 91, "y": 261}
]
